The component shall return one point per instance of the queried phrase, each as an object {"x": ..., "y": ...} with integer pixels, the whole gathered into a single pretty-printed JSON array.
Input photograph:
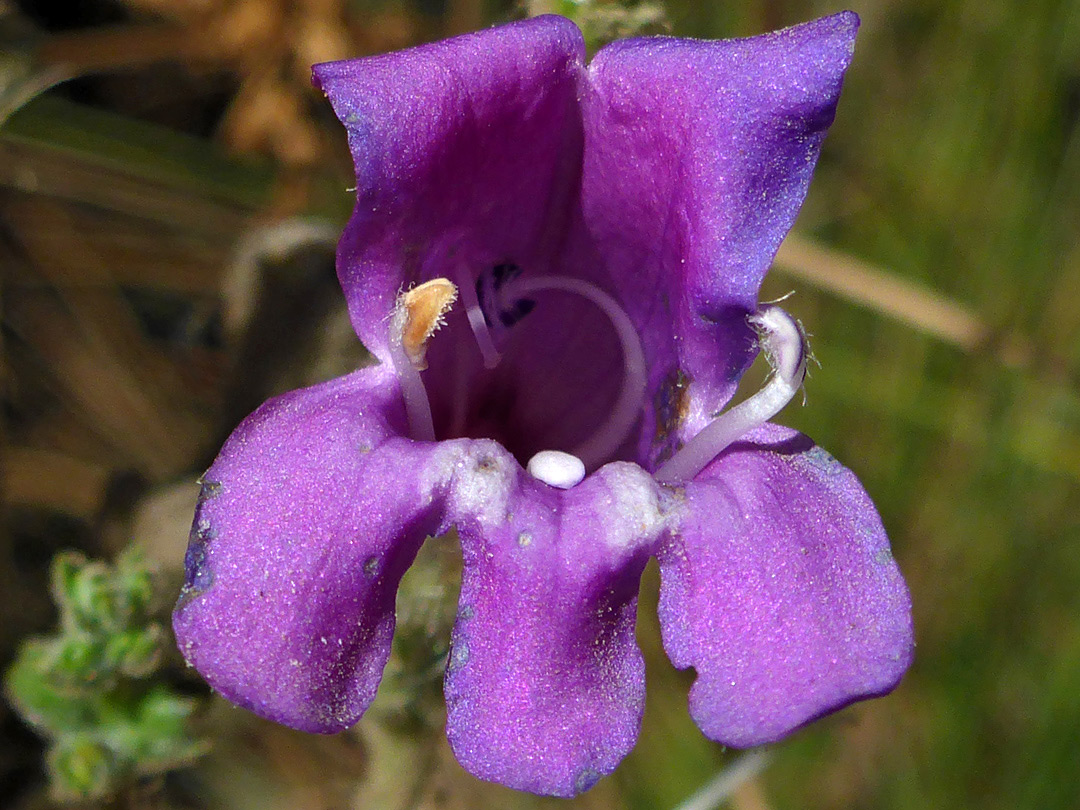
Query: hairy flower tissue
[{"x": 557, "y": 267}]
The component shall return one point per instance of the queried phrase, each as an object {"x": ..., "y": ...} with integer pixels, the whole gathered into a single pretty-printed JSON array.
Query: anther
[
  {"x": 783, "y": 340},
  {"x": 425, "y": 308},
  {"x": 557, "y": 469},
  {"x": 418, "y": 313}
]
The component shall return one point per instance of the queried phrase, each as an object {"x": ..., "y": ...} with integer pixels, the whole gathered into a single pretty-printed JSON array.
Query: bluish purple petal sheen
[
  {"x": 545, "y": 685},
  {"x": 663, "y": 176},
  {"x": 467, "y": 154},
  {"x": 780, "y": 590},
  {"x": 307, "y": 521},
  {"x": 697, "y": 158}
]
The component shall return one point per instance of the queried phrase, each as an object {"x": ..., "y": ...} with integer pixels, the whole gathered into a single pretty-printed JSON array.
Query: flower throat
[{"x": 501, "y": 298}]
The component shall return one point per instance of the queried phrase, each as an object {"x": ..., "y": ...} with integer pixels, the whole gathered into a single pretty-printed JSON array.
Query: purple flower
[{"x": 591, "y": 241}]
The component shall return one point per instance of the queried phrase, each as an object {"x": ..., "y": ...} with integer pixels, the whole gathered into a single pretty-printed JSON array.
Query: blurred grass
[
  {"x": 132, "y": 147},
  {"x": 954, "y": 163}
]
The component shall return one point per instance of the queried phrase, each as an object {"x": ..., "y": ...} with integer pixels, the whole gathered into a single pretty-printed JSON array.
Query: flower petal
[
  {"x": 780, "y": 590},
  {"x": 545, "y": 684},
  {"x": 467, "y": 154},
  {"x": 697, "y": 158},
  {"x": 307, "y": 521}
]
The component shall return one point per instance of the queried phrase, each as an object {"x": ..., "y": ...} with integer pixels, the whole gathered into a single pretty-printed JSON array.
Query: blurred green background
[{"x": 170, "y": 188}]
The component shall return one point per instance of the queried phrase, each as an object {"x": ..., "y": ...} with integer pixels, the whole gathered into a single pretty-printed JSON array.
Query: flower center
[
  {"x": 602, "y": 445},
  {"x": 494, "y": 304},
  {"x": 784, "y": 342},
  {"x": 499, "y": 300}
]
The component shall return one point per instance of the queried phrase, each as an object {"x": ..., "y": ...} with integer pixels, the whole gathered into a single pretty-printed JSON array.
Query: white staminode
[
  {"x": 784, "y": 343},
  {"x": 556, "y": 468}
]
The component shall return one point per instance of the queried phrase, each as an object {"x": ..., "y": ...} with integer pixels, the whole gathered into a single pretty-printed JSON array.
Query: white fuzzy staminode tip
[
  {"x": 557, "y": 469},
  {"x": 784, "y": 342}
]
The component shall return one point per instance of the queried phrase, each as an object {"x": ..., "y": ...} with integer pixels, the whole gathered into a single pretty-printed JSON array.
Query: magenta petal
[
  {"x": 780, "y": 590},
  {"x": 697, "y": 158},
  {"x": 545, "y": 685},
  {"x": 467, "y": 154},
  {"x": 307, "y": 520}
]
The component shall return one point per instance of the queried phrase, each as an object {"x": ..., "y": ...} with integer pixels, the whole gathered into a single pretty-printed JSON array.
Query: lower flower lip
[{"x": 734, "y": 555}]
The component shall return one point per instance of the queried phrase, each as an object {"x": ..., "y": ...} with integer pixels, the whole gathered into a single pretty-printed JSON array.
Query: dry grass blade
[
  {"x": 137, "y": 253},
  {"x": 31, "y": 476},
  {"x": 905, "y": 301},
  {"x": 53, "y": 173},
  {"x": 123, "y": 47},
  {"x": 150, "y": 433},
  {"x": 91, "y": 345}
]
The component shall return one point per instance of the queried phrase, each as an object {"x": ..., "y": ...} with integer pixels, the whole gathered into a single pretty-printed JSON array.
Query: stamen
[
  {"x": 557, "y": 469},
  {"x": 782, "y": 339},
  {"x": 477, "y": 321},
  {"x": 606, "y": 440},
  {"x": 417, "y": 315}
]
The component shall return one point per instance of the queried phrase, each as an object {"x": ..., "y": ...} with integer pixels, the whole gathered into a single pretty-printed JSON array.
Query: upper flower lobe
[{"x": 571, "y": 206}]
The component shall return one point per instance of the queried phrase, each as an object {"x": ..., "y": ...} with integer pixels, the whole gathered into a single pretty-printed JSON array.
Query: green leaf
[
  {"x": 82, "y": 768},
  {"x": 32, "y": 690}
]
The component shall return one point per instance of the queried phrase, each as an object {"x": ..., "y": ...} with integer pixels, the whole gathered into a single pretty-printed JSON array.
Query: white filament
[
  {"x": 477, "y": 322},
  {"x": 784, "y": 343},
  {"x": 602, "y": 445},
  {"x": 417, "y": 406}
]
